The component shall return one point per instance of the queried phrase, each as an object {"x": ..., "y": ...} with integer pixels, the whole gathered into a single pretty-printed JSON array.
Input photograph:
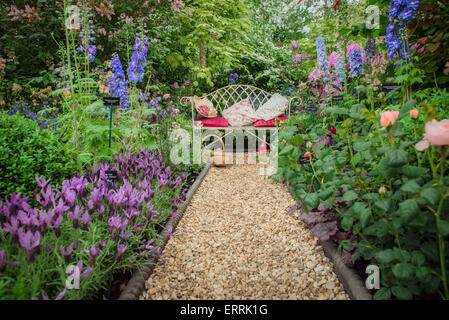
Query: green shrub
[{"x": 26, "y": 150}]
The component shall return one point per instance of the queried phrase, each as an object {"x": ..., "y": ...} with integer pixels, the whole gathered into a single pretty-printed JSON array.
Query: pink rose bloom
[
  {"x": 2, "y": 102},
  {"x": 166, "y": 96},
  {"x": 388, "y": 118},
  {"x": 414, "y": 114},
  {"x": 437, "y": 132}
]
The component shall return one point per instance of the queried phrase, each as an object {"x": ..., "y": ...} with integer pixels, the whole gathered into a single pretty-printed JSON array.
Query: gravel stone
[{"x": 237, "y": 240}]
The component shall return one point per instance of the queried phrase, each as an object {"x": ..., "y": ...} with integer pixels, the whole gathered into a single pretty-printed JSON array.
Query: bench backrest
[{"x": 226, "y": 97}]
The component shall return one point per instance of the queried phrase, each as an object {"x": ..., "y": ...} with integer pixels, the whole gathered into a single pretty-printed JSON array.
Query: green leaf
[
  {"x": 443, "y": 227},
  {"x": 312, "y": 200},
  {"x": 404, "y": 271},
  {"x": 411, "y": 186},
  {"x": 418, "y": 258},
  {"x": 408, "y": 210},
  {"x": 431, "y": 195},
  {"x": 297, "y": 140},
  {"x": 413, "y": 172},
  {"x": 286, "y": 150},
  {"x": 401, "y": 293},
  {"x": 325, "y": 194},
  {"x": 347, "y": 223},
  {"x": 349, "y": 195},
  {"x": 383, "y": 205},
  {"x": 385, "y": 256},
  {"x": 397, "y": 157},
  {"x": 383, "y": 294}
]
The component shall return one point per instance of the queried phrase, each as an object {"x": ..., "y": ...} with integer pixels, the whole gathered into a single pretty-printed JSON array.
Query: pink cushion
[
  {"x": 213, "y": 122},
  {"x": 269, "y": 123}
]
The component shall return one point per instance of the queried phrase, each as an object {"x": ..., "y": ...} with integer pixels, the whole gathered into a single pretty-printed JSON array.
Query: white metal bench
[{"x": 226, "y": 97}]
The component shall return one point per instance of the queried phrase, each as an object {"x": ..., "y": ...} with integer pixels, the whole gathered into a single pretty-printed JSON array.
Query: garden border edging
[
  {"x": 353, "y": 284},
  {"x": 136, "y": 285}
]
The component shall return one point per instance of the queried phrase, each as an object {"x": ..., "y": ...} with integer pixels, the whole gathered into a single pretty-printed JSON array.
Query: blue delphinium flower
[
  {"x": 340, "y": 71},
  {"x": 323, "y": 64},
  {"x": 370, "y": 48},
  {"x": 117, "y": 83},
  {"x": 91, "y": 48},
  {"x": 400, "y": 13},
  {"x": 355, "y": 63},
  {"x": 136, "y": 69},
  {"x": 233, "y": 77}
]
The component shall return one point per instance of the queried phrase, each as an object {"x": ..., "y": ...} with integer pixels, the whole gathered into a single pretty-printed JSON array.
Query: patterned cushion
[
  {"x": 213, "y": 122},
  {"x": 240, "y": 114},
  {"x": 274, "y": 107},
  {"x": 269, "y": 123},
  {"x": 204, "y": 107}
]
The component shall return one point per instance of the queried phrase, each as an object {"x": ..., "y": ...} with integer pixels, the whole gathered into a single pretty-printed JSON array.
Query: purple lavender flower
[
  {"x": 75, "y": 215},
  {"x": 102, "y": 244},
  {"x": 120, "y": 250},
  {"x": 67, "y": 252},
  {"x": 169, "y": 233},
  {"x": 12, "y": 227},
  {"x": 93, "y": 252},
  {"x": 30, "y": 242},
  {"x": 115, "y": 224},
  {"x": 151, "y": 215},
  {"x": 85, "y": 220},
  {"x": 58, "y": 297}
]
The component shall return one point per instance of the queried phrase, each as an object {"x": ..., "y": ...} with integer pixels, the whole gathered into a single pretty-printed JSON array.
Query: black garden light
[
  {"x": 112, "y": 101},
  {"x": 390, "y": 87},
  {"x": 311, "y": 109}
]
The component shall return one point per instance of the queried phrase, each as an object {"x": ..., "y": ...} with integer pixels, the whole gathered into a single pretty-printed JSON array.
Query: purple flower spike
[
  {"x": 75, "y": 215},
  {"x": 120, "y": 249},
  {"x": 94, "y": 252},
  {"x": 85, "y": 220},
  {"x": 30, "y": 242},
  {"x": 67, "y": 252},
  {"x": 102, "y": 244},
  {"x": 58, "y": 297}
]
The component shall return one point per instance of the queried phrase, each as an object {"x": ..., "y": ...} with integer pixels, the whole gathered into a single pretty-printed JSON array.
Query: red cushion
[
  {"x": 213, "y": 122},
  {"x": 269, "y": 123}
]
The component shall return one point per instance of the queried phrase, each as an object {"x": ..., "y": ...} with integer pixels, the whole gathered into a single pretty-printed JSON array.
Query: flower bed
[{"x": 100, "y": 227}]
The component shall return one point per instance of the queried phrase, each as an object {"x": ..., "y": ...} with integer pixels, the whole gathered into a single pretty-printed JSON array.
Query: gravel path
[{"x": 236, "y": 241}]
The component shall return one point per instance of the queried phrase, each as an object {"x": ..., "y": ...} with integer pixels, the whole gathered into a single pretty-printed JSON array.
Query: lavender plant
[{"x": 88, "y": 224}]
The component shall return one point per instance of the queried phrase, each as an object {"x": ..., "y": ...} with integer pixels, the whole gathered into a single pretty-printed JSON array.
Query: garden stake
[{"x": 110, "y": 125}]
